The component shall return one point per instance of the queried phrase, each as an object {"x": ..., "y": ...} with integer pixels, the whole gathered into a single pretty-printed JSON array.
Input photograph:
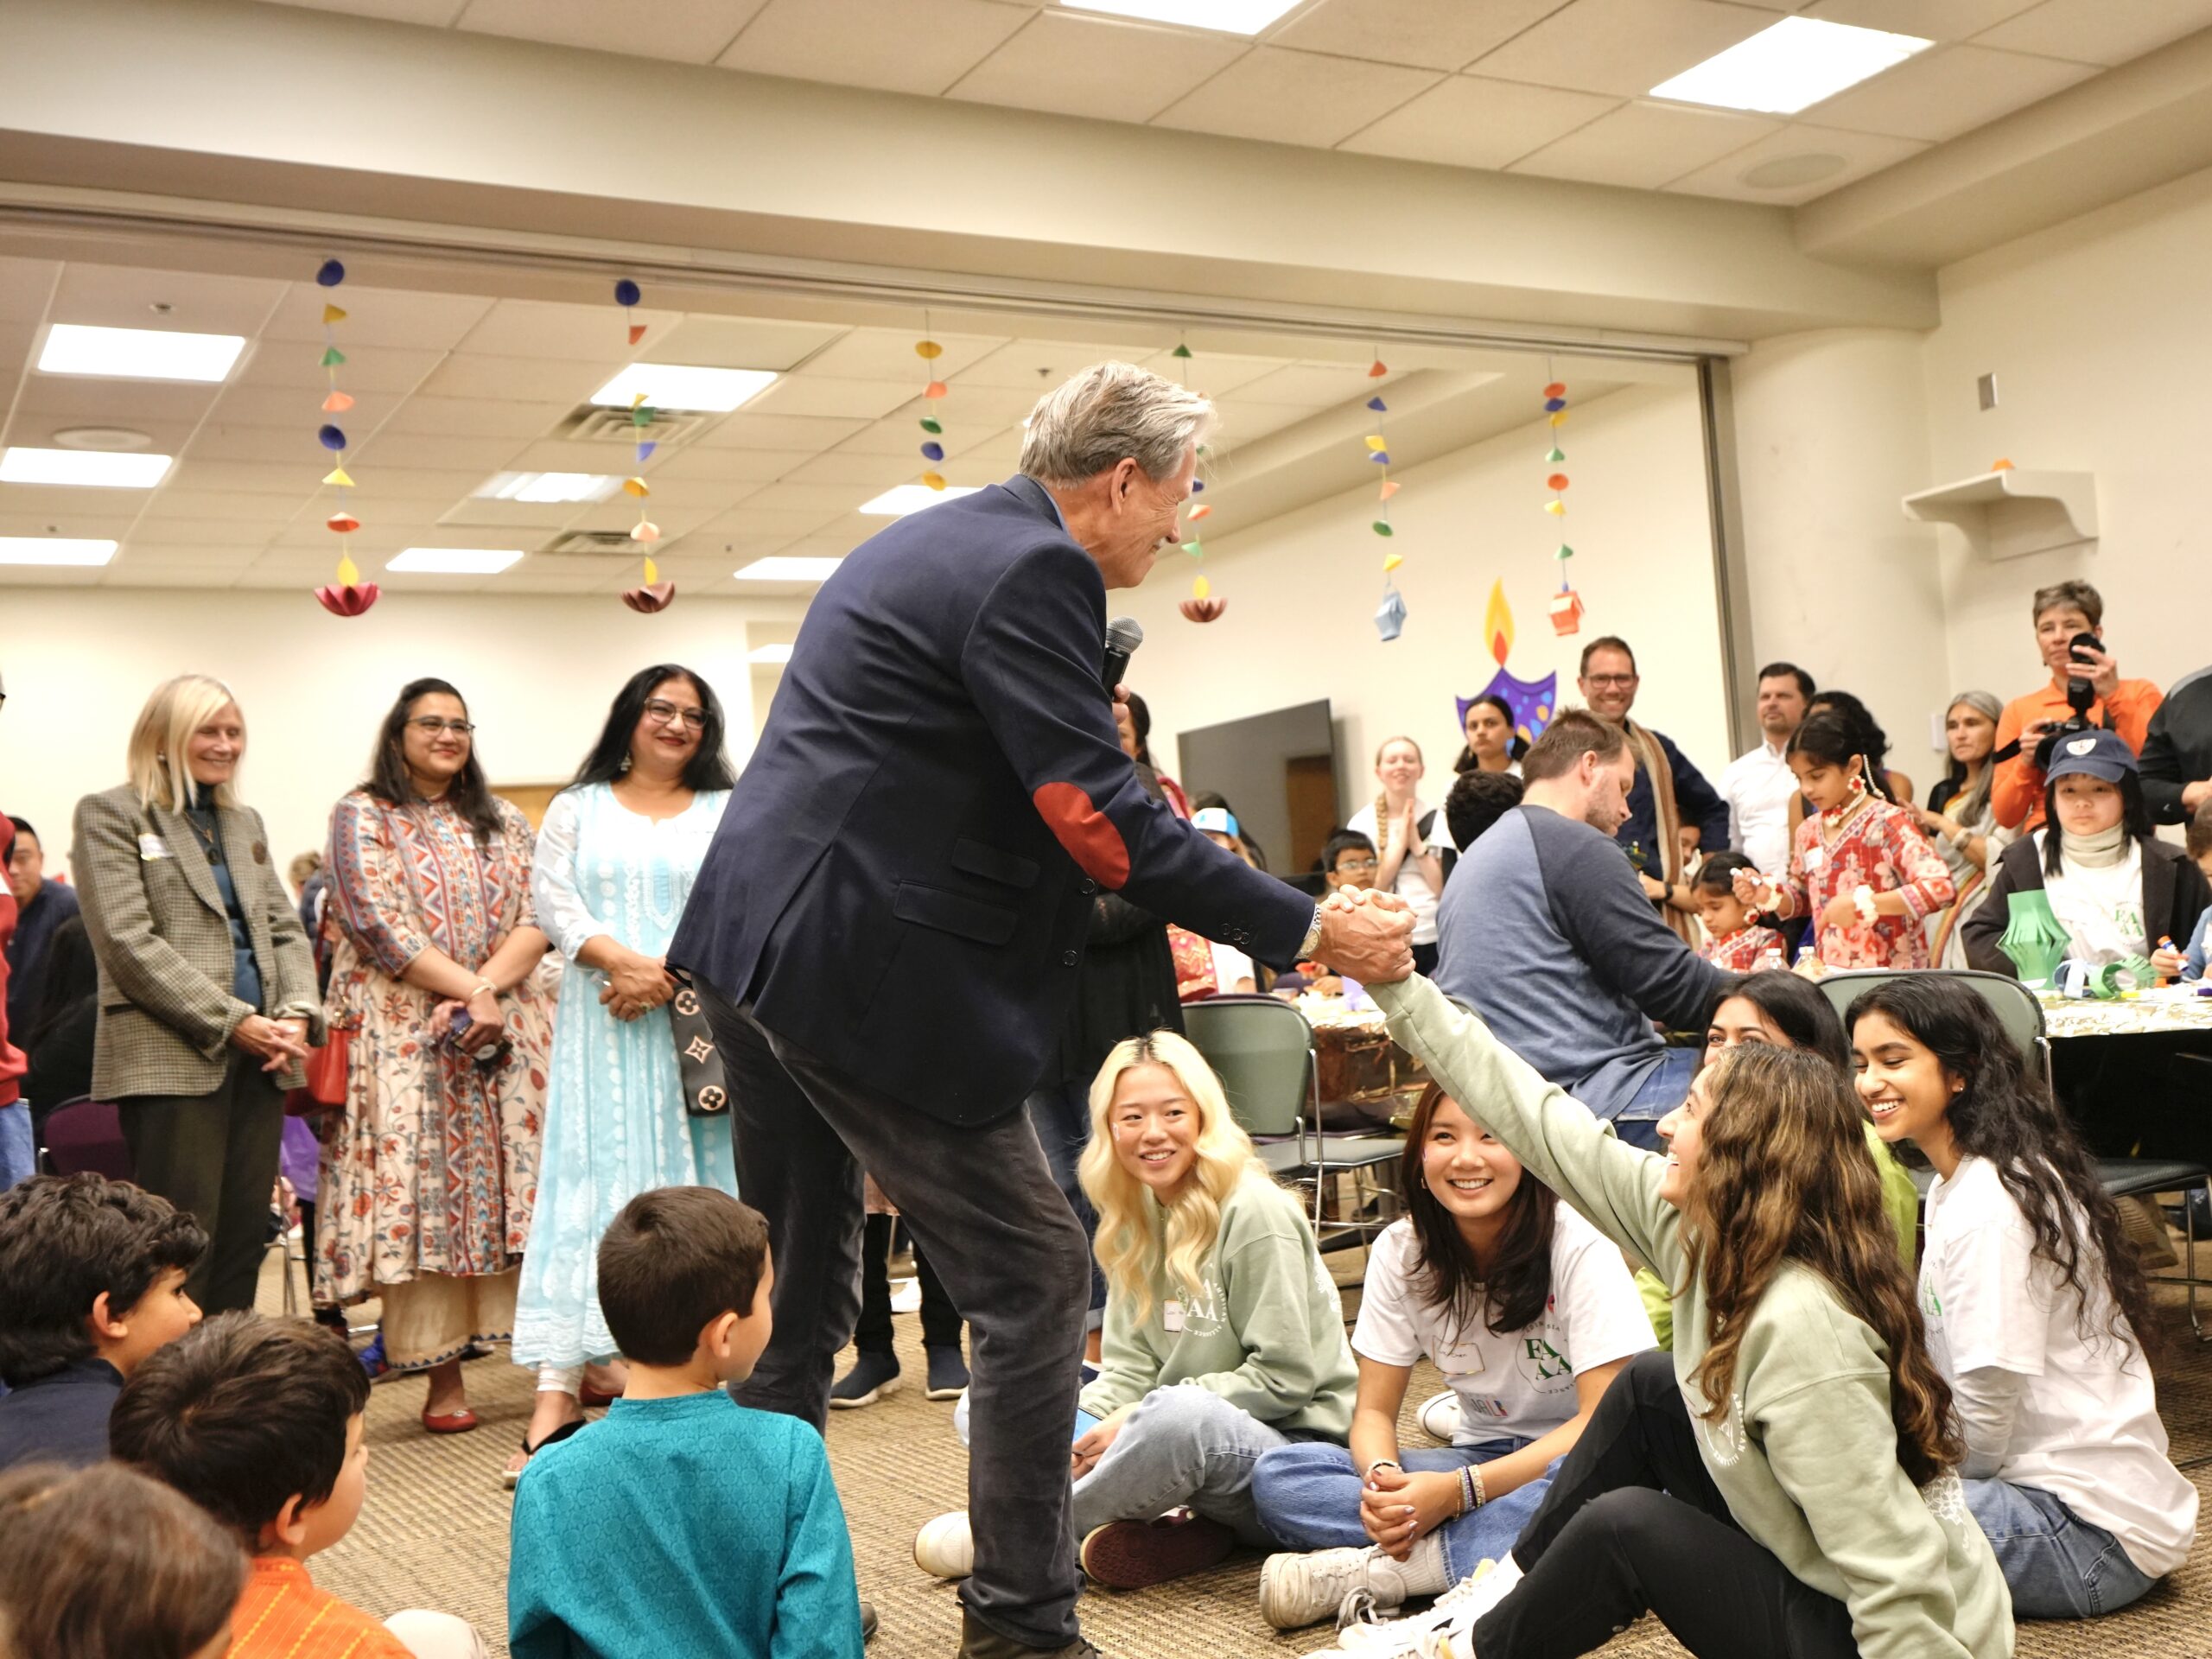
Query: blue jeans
[
  {"x": 2056, "y": 1564},
  {"x": 1182, "y": 1445},
  {"x": 18, "y": 1155},
  {"x": 1060, "y": 1113},
  {"x": 1666, "y": 1086},
  {"x": 1309, "y": 1499}
]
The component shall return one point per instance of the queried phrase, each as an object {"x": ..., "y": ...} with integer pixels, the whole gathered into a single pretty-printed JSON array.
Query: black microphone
[{"x": 1123, "y": 636}]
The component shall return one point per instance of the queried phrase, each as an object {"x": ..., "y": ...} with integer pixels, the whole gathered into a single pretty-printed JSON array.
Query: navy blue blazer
[{"x": 902, "y": 880}]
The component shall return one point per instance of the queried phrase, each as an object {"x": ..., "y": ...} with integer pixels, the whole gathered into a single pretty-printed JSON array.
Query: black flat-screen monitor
[{"x": 1278, "y": 772}]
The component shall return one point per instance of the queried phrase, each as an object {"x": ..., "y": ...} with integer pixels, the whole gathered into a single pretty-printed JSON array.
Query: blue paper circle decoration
[
  {"x": 1380, "y": 457},
  {"x": 331, "y": 275},
  {"x": 331, "y": 438},
  {"x": 932, "y": 451},
  {"x": 1196, "y": 484},
  {"x": 1378, "y": 405},
  {"x": 1554, "y": 404},
  {"x": 626, "y": 292}
]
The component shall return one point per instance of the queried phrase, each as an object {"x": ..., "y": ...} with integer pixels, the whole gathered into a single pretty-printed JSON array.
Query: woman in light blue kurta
[{"x": 616, "y": 858}]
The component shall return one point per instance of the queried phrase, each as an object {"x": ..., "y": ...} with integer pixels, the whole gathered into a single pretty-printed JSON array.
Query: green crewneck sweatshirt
[
  {"x": 1806, "y": 1454},
  {"x": 1265, "y": 1333}
]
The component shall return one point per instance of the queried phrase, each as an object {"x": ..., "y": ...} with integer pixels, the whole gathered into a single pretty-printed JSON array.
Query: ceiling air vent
[
  {"x": 593, "y": 544},
  {"x": 595, "y": 424}
]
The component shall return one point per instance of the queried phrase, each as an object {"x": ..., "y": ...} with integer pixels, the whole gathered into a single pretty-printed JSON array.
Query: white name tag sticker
[
  {"x": 153, "y": 847},
  {"x": 1171, "y": 1315}
]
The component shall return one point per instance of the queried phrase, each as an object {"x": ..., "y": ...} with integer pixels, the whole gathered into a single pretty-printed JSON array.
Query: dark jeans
[
  {"x": 981, "y": 1201},
  {"x": 1425, "y": 959},
  {"x": 940, "y": 1319},
  {"x": 1633, "y": 1522},
  {"x": 1060, "y": 1113},
  {"x": 215, "y": 1156}
]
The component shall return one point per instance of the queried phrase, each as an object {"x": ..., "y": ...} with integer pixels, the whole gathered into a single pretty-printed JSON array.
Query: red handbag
[{"x": 326, "y": 1065}]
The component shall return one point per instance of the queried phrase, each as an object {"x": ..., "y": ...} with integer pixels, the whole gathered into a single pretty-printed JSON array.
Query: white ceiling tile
[
  {"x": 285, "y": 445},
  {"x": 122, "y": 572},
  {"x": 533, "y": 516},
  {"x": 688, "y": 31},
  {"x": 571, "y": 455},
  {"x": 820, "y": 396},
  {"x": 742, "y": 342},
  {"x": 434, "y": 14},
  {"x": 675, "y": 518},
  {"x": 997, "y": 452},
  {"x": 151, "y": 406},
  {"x": 894, "y": 46},
  {"x": 24, "y": 286},
  {"x": 734, "y": 465},
  {"x": 1295, "y": 98},
  {"x": 857, "y": 467},
  {"x": 830, "y": 501},
  {"x": 1212, "y": 373},
  {"x": 888, "y": 354},
  {"x": 747, "y": 520},
  {"x": 896, "y": 437},
  {"x": 1243, "y": 423},
  {"x": 1075, "y": 64},
  {"x": 217, "y": 514},
  {"x": 1645, "y": 145},
  {"x": 117, "y": 296},
  {"x": 590, "y": 334},
  {"x": 1624, "y": 46},
  {"x": 1862, "y": 154},
  {"x": 1945, "y": 92},
  {"x": 1931, "y": 20},
  {"x": 387, "y": 450},
  {"x": 524, "y": 379},
  {"x": 376, "y": 316},
  {"x": 966, "y": 406},
  {"x": 1313, "y": 385},
  {"x": 2100, "y": 31},
  {"x": 747, "y": 430},
  {"x": 468, "y": 417},
  {"x": 1427, "y": 34},
  {"x": 141, "y": 554},
  {"x": 299, "y": 363},
  {"x": 1466, "y": 122},
  {"x": 98, "y": 520},
  {"x": 1037, "y": 365}
]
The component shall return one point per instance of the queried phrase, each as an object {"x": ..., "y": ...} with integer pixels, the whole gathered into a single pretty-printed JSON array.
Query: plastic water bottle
[
  {"x": 1771, "y": 961},
  {"x": 1806, "y": 954}
]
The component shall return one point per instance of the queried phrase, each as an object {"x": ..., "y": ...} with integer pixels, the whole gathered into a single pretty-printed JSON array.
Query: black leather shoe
[
  {"x": 867, "y": 1621},
  {"x": 979, "y": 1641}
]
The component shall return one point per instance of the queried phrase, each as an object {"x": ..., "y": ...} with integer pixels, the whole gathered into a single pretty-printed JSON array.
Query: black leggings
[
  {"x": 1633, "y": 1523},
  {"x": 940, "y": 1319}
]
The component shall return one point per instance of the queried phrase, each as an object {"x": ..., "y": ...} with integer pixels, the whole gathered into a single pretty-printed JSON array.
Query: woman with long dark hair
[
  {"x": 616, "y": 857},
  {"x": 1782, "y": 1484},
  {"x": 2036, "y": 1308},
  {"x": 1529, "y": 1313},
  {"x": 1492, "y": 744},
  {"x": 429, "y": 1168}
]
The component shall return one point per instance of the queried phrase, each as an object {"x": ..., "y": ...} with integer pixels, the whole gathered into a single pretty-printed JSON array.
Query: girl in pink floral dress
[{"x": 1859, "y": 866}]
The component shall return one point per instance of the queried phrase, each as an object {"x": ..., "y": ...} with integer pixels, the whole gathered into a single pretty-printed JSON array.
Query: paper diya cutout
[
  {"x": 344, "y": 523},
  {"x": 1202, "y": 610},
  {"x": 349, "y": 595},
  {"x": 652, "y": 594}
]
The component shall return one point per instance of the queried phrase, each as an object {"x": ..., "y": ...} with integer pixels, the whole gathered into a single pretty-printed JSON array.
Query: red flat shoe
[
  {"x": 588, "y": 1396},
  {"x": 449, "y": 1422}
]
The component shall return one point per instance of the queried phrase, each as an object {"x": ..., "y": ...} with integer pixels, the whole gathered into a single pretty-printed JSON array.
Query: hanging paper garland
[
  {"x": 1203, "y": 605},
  {"x": 627, "y": 295},
  {"x": 932, "y": 447},
  {"x": 1390, "y": 619},
  {"x": 1566, "y": 604},
  {"x": 653, "y": 594},
  {"x": 349, "y": 595}
]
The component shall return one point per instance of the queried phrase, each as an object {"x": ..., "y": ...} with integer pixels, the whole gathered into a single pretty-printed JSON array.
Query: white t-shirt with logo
[
  {"x": 2085, "y": 1426},
  {"x": 1520, "y": 1383},
  {"x": 1411, "y": 886}
]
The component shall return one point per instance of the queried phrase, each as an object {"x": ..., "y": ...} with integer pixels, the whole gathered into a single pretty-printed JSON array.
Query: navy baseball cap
[{"x": 2094, "y": 753}]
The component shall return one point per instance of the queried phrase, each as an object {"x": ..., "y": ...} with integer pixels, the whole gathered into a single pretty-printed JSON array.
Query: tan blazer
[{"x": 157, "y": 925}]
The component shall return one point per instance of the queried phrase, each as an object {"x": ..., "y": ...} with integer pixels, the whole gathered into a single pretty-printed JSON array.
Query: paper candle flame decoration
[
  {"x": 1497, "y": 623},
  {"x": 349, "y": 595},
  {"x": 1566, "y": 605},
  {"x": 652, "y": 594},
  {"x": 1531, "y": 701}
]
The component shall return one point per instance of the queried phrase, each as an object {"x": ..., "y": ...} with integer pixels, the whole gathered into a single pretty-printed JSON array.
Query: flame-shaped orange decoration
[{"x": 1497, "y": 623}]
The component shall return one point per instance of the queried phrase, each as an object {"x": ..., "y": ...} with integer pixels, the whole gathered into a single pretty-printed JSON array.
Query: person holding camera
[{"x": 2085, "y": 690}]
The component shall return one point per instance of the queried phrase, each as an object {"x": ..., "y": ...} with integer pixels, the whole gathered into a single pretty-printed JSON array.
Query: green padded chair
[
  {"x": 2015, "y": 1006},
  {"x": 1261, "y": 1048}
]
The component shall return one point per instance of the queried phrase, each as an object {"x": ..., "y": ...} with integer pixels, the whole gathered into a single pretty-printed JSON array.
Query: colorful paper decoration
[
  {"x": 1202, "y": 606},
  {"x": 626, "y": 295},
  {"x": 1378, "y": 451},
  {"x": 330, "y": 275},
  {"x": 1390, "y": 615},
  {"x": 1497, "y": 626},
  {"x": 1202, "y": 610},
  {"x": 932, "y": 444},
  {"x": 653, "y": 594},
  {"x": 349, "y": 595},
  {"x": 1566, "y": 608},
  {"x": 1531, "y": 701},
  {"x": 1566, "y": 611}
]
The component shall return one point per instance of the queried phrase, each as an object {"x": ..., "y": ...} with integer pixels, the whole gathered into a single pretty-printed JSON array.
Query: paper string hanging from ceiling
[
  {"x": 1531, "y": 701},
  {"x": 1391, "y": 615},
  {"x": 349, "y": 595},
  {"x": 1566, "y": 604},
  {"x": 1204, "y": 604},
  {"x": 651, "y": 594},
  {"x": 932, "y": 420}
]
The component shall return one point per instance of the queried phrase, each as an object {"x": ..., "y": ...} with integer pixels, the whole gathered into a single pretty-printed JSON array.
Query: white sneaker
[
  {"x": 945, "y": 1548},
  {"x": 1439, "y": 1417},
  {"x": 1305, "y": 1588},
  {"x": 1450, "y": 1620}
]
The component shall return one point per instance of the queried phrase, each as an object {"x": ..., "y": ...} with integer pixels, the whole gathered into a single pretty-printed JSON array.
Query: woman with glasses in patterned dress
[{"x": 429, "y": 1168}]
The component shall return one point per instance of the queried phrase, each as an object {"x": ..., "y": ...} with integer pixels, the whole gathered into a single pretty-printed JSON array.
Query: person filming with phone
[{"x": 2085, "y": 690}]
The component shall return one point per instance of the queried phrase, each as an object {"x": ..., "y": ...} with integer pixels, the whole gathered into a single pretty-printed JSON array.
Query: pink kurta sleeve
[{"x": 1924, "y": 880}]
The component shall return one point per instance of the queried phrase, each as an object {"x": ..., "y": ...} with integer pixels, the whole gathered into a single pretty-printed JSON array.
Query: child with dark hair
[
  {"x": 259, "y": 1421},
  {"x": 92, "y": 1282},
  {"x": 683, "y": 1522},
  {"x": 1479, "y": 798},
  {"x": 2036, "y": 1308},
  {"x": 2200, "y": 853},
  {"x": 1528, "y": 1311},
  {"x": 1733, "y": 939},
  {"x": 103, "y": 1563}
]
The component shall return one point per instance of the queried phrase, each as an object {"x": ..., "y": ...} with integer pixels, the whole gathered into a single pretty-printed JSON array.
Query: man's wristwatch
[{"x": 1312, "y": 940}]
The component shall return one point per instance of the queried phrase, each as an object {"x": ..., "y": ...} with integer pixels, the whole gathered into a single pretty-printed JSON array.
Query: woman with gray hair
[{"x": 1960, "y": 820}]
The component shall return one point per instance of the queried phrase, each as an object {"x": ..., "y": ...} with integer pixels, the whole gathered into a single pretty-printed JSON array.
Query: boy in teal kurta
[{"x": 683, "y": 1523}]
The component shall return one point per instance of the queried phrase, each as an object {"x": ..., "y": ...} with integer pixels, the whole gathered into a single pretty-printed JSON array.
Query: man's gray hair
[{"x": 1090, "y": 423}]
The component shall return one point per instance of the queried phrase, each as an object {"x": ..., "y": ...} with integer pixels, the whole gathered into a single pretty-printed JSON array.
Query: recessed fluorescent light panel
[
  {"x": 455, "y": 561},
  {"x": 769, "y": 656},
  {"x": 673, "y": 385},
  {"x": 913, "y": 498},
  {"x": 82, "y": 467},
  {"x": 1228, "y": 16},
  {"x": 1790, "y": 66},
  {"x": 548, "y": 487},
  {"x": 789, "y": 569},
  {"x": 54, "y": 550},
  {"x": 138, "y": 354}
]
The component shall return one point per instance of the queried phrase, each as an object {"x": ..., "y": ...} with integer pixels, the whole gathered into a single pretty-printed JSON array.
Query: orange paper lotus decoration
[
  {"x": 1202, "y": 610},
  {"x": 349, "y": 595},
  {"x": 651, "y": 597}
]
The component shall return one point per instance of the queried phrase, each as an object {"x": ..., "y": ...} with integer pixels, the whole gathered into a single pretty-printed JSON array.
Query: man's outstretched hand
[{"x": 1367, "y": 935}]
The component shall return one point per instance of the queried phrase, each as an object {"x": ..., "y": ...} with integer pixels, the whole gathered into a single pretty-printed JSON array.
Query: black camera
[{"x": 2080, "y": 694}]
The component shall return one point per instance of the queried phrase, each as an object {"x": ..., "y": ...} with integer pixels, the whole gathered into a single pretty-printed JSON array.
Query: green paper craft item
[
  {"x": 932, "y": 426},
  {"x": 2033, "y": 938},
  {"x": 1180, "y": 350},
  {"x": 332, "y": 357}
]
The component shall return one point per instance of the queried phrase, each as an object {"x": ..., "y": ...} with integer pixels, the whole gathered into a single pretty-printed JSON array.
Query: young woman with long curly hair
[{"x": 1783, "y": 1481}]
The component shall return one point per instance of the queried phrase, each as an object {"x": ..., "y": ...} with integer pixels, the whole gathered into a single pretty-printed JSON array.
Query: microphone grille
[{"x": 1125, "y": 634}]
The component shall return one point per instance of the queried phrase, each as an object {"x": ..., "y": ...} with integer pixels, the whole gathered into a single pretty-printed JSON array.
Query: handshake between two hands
[{"x": 1368, "y": 935}]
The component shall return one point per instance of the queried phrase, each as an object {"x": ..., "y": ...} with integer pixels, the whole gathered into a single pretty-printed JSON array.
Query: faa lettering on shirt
[
  {"x": 1206, "y": 1313},
  {"x": 1520, "y": 1383}
]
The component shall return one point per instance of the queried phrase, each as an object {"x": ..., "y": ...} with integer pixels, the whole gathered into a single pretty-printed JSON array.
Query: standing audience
[
  {"x": 875, "y": 1370},
  {"x": 1758, "y": 784},
  {"x": 1492, "y": 743},
  {"x": 207, "y": 994},
  {"x": 1960, "y": 821},
  {"x": 1413, "y": 841},
  {"x": 2177, "y": 751},
  {"x": 1868, "y": 739},
  {"x": 19, "y": 1152},
  {"x": 429, "y": 1169},
  {"x": 62, "y": 1026},
  {"x": 2062, "y": 613},
  {"x": 42, "y": 906}
]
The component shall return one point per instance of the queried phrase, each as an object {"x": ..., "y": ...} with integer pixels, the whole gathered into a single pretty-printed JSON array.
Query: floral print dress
[
  {"x": 1878, "y": 846},
  {"x": 431, "y": 1165}
]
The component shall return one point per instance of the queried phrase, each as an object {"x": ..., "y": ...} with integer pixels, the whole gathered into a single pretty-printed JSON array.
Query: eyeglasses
[
  {"x": 1347, "y": 866},
  {"x": 1610, "y": 680},
  {"x": 430, "y": 726},
  {"x": 661, "y": 712}
]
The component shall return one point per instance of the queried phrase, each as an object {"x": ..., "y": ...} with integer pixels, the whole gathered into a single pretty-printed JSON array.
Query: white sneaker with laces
[
  {"x": 945, "y": 1548},
  {"x": 1450, "y": 1619},
  {"x": 1439, "y": 1417},
  {"x": 1306, "y": 1587}
]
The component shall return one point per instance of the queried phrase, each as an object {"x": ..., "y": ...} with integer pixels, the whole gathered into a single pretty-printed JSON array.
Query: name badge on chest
[
  {"x": 1171, "y": 1316},
  {"x": 153, "y": 847}
]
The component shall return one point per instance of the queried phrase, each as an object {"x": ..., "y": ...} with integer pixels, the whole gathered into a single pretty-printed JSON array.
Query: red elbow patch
[{"x": 1088, "y": 834}]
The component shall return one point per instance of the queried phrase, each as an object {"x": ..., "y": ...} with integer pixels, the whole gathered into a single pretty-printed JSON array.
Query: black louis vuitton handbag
[{"x": 698, "y": 1064}]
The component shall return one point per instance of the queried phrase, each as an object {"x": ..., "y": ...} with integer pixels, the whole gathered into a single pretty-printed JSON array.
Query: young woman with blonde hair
[{"x": 1225, "y": 1335}]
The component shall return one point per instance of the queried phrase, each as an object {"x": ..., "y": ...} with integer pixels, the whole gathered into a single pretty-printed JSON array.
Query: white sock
[{"x": 1425, "y": 1571}]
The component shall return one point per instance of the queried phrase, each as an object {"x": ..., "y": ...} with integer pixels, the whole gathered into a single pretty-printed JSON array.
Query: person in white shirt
[
  {"x": 1759, "y": 786},
  {"x": 1529, "y": 1312},
  {"x": 1416, "y": 843},
  {"x": 2035, "y": 1305}
]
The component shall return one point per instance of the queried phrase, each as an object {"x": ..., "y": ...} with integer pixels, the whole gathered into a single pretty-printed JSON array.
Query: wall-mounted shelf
[{"x": 2011, "y": 513}]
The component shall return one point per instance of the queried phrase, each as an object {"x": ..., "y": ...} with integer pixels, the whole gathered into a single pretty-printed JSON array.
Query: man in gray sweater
[{"x": 1545, "y": 931}]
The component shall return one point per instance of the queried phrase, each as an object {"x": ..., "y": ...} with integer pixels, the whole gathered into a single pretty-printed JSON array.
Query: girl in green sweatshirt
[{"x": 1783, "y": 1483}]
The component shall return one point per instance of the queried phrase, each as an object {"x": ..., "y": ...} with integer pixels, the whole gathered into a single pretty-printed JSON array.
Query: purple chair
[{"x": 87, "y": 1133}]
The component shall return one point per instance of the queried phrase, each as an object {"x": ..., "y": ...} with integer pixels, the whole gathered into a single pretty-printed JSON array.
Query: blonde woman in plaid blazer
[{"x": 207, "y": 992}]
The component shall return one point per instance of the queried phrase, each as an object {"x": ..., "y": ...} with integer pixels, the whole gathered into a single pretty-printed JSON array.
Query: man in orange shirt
[{"x": 2063, "y": 611}]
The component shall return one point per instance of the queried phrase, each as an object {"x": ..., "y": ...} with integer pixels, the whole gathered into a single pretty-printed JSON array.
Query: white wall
[
  {"x": 538, "y": 674},
  {"x": 1301, "y": 593}
]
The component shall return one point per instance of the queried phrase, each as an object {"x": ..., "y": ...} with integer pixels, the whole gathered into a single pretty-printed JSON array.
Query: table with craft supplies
[
  {"x": 2172, "y": 1010},
  {"x": 1357, "y": 1062}
]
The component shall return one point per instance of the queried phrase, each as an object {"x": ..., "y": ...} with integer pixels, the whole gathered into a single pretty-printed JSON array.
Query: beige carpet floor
[{"x": 434, "y": 1533}]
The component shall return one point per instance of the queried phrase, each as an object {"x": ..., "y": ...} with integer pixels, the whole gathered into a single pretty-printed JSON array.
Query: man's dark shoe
[
  {"x": 872, "y": 1377},
  {"x": 979, "y": 1641},
  {"x": 948, "y": 1371},
  {"x": 867, "y": 1621}
]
